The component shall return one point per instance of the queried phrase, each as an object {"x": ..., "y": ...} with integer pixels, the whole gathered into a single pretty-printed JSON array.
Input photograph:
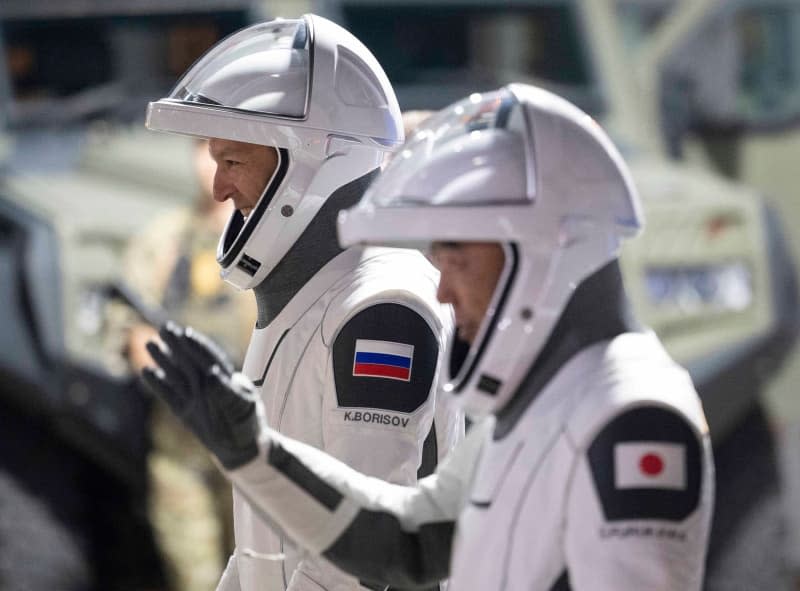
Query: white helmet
[
  {"x": 524, "y": 168},
  {"x": 306, "y": 87}
]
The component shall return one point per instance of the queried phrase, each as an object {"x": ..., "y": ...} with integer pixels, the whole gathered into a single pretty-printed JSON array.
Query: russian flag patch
[{"x": 383, "y": 359}]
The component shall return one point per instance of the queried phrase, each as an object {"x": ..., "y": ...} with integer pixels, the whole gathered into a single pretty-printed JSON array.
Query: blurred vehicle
[
  {"x": 78, "y": 177},
  {"x": 712, "y": 273}
]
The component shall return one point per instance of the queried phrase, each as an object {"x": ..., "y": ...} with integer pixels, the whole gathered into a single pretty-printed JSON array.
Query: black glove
[{"x": 196, "y": 380}]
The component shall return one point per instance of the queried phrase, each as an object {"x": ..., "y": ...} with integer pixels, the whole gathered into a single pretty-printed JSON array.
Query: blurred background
[{"x": 106, "y": 229}]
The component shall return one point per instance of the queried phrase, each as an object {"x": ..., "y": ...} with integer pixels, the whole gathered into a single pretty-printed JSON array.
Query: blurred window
[
  {"x": 638, "y": 19},
  {"x": 187, "y": 41},
  {"x": 474, "y": 46},
  {"x": 56, "y": 58},
  {"x": 769, "y": 75},
  {"x": 76, "y": 68}
]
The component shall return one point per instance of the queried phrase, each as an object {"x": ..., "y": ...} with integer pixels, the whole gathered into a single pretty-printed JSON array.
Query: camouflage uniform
[{"x": 173, "y": 265}]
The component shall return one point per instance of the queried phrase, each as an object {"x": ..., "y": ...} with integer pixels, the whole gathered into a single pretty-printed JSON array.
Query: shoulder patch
[
  {"x": 647, "y": 464},
  {"x": 385, "y": 357}
]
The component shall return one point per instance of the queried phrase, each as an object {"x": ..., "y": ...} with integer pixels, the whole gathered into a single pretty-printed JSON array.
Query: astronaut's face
[
  {"x": 469, "y": 275},
  {"x": 243, "y": 171}
]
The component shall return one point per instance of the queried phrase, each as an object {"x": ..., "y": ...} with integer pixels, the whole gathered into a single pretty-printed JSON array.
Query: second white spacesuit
[{"x": 598, "y": 478}]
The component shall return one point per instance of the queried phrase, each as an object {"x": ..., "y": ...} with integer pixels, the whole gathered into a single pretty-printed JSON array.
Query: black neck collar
[
  {"x": 317, "y": 245},
  {"x": 597, "y": 311}
]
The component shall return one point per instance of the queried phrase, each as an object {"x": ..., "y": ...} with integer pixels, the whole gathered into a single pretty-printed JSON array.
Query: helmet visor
[
  {"x": 263, "y": 69},
  {"x": 475, "y": 279},
  {"x": 239, "y": 228}
]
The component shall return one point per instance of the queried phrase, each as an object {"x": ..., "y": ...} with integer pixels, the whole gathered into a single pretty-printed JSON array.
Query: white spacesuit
[
  {"x": 348, "y": 342},
  {"x": 592, "y": 467},
  {"x": 362, "y": 304},
  {"x": 603, "y": 483}
]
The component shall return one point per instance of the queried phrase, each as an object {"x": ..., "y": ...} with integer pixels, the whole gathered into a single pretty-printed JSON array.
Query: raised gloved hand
[{"x": 198, "y": 382}]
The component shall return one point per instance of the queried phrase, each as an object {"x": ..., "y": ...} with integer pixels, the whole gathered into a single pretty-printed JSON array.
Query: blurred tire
[
  {"x": 65, "y": 525},
  {"x": 747, "y": 537},
  {"x": 44, "y": 521}
]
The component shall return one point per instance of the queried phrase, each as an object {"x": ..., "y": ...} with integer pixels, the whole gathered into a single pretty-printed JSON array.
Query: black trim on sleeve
[
  {"x": 382, "y": 587},
  {"x": 260, "y": 381},
  {"x": 430, "y": 454},
  {"x": 645, "y": 425},
  {"x": 294, "y": 470},
  {"x": 376, "y": 549},
  {"x": 562, "y": 582},
  {"x": 366, "y": 377}
]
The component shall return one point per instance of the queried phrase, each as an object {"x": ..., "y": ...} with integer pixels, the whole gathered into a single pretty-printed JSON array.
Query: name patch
[
  {"x": 643, "y": 531},
  {"x": 378, "y": 418}
]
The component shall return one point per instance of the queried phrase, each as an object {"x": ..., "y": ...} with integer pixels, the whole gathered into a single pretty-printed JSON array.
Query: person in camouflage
[{"x": 172, "y": 266}]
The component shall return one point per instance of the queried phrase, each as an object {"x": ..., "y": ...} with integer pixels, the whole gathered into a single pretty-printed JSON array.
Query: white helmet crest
[
  {"x": 306, "y": 87},
  {"x": 524, "y": 168}
]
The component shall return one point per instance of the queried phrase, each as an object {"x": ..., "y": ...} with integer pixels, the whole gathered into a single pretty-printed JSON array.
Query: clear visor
[
  {"x": 239, "y": 228},
  {"x": 262, "y": 69},
  {"x": 457, "y": 156},
  {"x": 475, "y": 279}
]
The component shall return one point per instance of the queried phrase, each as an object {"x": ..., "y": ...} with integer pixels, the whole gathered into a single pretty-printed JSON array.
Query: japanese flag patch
[
  {"x": 383, "y": 359},
  {"x": 650, "y": 464}
]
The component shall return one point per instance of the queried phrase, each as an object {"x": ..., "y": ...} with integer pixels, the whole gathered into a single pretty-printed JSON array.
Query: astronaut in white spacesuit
[
  {"x": 592, "y": 469},
  {"x": 346, "y": 348}
]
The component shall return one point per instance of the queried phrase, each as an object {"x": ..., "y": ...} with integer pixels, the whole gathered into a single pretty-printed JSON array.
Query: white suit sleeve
[
  {"x": 380, "y": 390},
  {"x": 229, "y": 581},
  {"x": 378, "y": 407},
  {"x": 379, "y": 532},
  {"x": 639, "y": 504}
]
